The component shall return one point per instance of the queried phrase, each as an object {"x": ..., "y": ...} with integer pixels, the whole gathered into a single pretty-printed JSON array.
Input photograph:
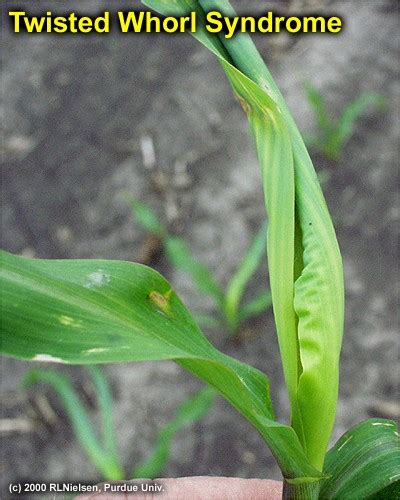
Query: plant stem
[{"x": 301, "y": 490}]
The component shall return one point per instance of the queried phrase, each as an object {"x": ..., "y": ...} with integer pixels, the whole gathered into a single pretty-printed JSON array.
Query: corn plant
[
  {"x": 102, "y": 450},
  {"x": 333, "y": 134},
  {"x": 231, "y": 313},
  {"x": 89, "y": 312}
]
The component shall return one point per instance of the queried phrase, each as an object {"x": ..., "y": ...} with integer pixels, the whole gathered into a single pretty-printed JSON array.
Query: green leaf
[
  {"x": 181, "y": 257},
  {"x": 317, "y": 102},
  {"x": 182, "y": 8},
  {"x": 364, "y": 462},
  {"x": 83, "y": 428},
  {"x": 188, "y": 413},
  {"x": 275, "y": 154},
  {"x": 207, "y": 320},
  {"x": 333, "y": 134},
  {"x": 147, "y": 217},
  {"x": 312, "y": 141},
  {"x": 305, "y": 264},
  {"x": 96, "y": 311},
  {"x": 391, "y": 492},
  {"x": 177, "y": 251},
  {"x": 238, "y": 283},
  {"x": 345, "y": 125},
  {"x": 256, "y": 306},
  {"x": 105, "y": 405}
]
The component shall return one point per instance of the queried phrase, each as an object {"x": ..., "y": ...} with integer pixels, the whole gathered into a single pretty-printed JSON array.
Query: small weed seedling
[
  {"x": 102, "y": 450},
  {"x": 333, "y": 134},
  {"x": 231, "y": 313},
  {"x": 99, "y": 311}
]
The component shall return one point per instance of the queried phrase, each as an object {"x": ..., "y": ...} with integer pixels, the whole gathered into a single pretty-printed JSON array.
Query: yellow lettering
[
  {"x": 102, "y": 23},
  {"x": 314, "y": 22},
  {"x": 131, "y": 19},
  {"x": 170, "y": 21},
  {"x": 152, "y": 19},
  {"x": 252, "y": 23},
  {"x": 60, "y": 25},
  {"x": 72, "y": 22},
  {"x": 265, "y": 19},
  {"x": 85, "y": 24},
  {"x": 231, "y": 26},
  {"x": 213, "y": 18},
  {"x": 334, "y": 24},
  {"x": 278, "y": 21},
  {"x": 191, "y": 20},
  {"x": 34, "y": 24},
  {"x": 16, "y": 16},
  {"x": 182, "y": 23},
  {"x": 297, "y": 22}
]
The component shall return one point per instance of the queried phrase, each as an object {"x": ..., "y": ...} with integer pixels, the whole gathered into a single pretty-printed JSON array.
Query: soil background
[{"x": 76, "y": 111}]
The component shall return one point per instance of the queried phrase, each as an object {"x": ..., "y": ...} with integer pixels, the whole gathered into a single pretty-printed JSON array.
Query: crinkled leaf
[{"x": 304, "y": 259}]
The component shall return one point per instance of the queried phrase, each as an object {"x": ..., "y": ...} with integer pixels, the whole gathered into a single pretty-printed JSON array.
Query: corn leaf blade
[
  {"x": 310, "y": 328},
  {"x": 364, "y": 462},
  {"x": 96, "y": 311}
]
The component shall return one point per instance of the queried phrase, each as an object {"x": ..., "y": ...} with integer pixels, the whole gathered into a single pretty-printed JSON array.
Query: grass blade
[
  {"x": 240, "y": 280},
  {"x": 206, "y": 321},
  {"x": 105, "y": 404},
  {"x": 181, "y": 257},
  {"x": 256, "y": 306},
  {"x": 81, "y": 424},
  {"x": 190, "y": 412},
  {"x": 177, "y": 251},
  {"x": 317, "y": 102},
  {"x": 147, "y": 218},
  {"x": 345, "y": 125}
]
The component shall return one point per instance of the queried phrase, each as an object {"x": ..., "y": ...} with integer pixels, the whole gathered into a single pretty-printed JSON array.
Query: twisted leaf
[{"x": 304, "y": 259}]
